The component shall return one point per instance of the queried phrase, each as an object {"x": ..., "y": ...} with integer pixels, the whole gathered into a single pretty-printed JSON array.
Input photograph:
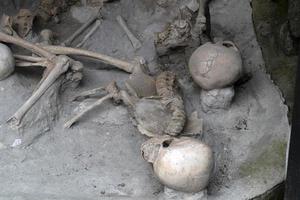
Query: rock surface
[
  {"x": 216, "y": 99},
  {"x": 99, "y": 158}
]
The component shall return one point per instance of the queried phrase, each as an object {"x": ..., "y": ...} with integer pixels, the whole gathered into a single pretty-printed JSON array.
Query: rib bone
[
  {"x": 134, "y": 41},
  {"x": 61, "y": 66}
]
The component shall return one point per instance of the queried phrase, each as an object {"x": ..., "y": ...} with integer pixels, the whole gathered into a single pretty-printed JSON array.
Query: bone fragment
[
  {"x": 123, "y": 65},
  {"x": 134, "y": 41},
  {"x": 30, "y": 64},
  {"x": 69, "y": 40},
  {"x": 61, "y": 66},
  {"x": 90, "y": 33},
  {"x": 88, "y": 94},
  {"x": 69, "y": 123},
  {"x": 29, "y": 58}
]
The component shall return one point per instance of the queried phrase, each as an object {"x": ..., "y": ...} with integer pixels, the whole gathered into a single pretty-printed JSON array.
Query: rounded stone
[
  {"x": 215, "y": 66},
  {"x": 7, "y": 61}
]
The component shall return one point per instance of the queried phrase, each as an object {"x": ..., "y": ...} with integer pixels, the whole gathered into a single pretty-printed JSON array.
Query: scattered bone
[
  {"x": 113, "y": 92},
  {"x": 55, "y": 67},
  {"x": 123, "y": 65},
  {"x": 29, "y": 58},
  {"x": 61, "y": 66},
  {"x": 69, "y": 40},
  {"x": 134, "y": 41},
  {"x": 26, "y": 45},
  {"x": 88, "y": 94},
  {"x": 154, "y": 115},
  {"x": 200, "y": 23},
  {"x": 90, "y": 33}
]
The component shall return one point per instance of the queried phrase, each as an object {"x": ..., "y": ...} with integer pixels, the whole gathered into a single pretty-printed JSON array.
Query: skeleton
[
  {"x": 154, "y": 115},
  {"x": 134, "y": 41}
]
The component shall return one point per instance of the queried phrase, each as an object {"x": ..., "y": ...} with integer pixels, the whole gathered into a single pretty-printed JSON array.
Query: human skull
[
  {"x": 214, "y": 66},
  {"x": 183, "y": 164},
  {"x": 7, "y": 61}
]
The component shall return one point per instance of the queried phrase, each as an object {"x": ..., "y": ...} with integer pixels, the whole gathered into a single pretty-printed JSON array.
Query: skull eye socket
[{"x": 167, "y": 143}]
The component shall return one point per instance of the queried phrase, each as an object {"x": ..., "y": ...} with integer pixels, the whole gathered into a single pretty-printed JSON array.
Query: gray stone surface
[{"x": 99, "y": 158}]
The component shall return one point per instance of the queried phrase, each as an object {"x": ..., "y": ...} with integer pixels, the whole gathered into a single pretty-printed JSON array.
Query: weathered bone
[
  {"x": 113, "y": 92},
  {"x": 123, "y": 65},
  {"x": 134, "y": 41},
  {"x": 31, "y": 64},
  {"x": 88, "y": 94},
  {"x": 69, "y": 123},
  {"x": 200, "y": 24},
  {"x": 29, "y": 58},
  {"x": 69, "y": 40},
  {"x": 90, "y": 33},
  {"x": 27, "y": 45},
  {"x": 61, "y": 66}
]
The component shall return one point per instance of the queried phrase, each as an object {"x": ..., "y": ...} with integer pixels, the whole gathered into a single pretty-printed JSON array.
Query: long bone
[
  {"x": 90, "y": 33},
  {"x": 113, "y": 92},
  {"x": 56, "y": 65},
  {"x": 134, "y": 41},
  {"x": 61, "y": 66},
  {"x": 123, "y": 65},
  {"x": 70, "y": 39}
]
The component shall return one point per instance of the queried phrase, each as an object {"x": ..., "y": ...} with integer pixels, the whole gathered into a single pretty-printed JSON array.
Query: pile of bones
[{"x": 180, "y": 161}]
